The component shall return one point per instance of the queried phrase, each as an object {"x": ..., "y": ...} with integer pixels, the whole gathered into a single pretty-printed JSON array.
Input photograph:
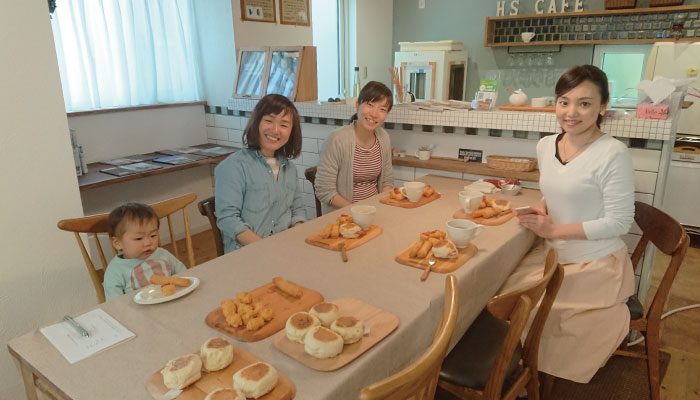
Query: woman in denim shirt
[{"x": 257, "y": 191}]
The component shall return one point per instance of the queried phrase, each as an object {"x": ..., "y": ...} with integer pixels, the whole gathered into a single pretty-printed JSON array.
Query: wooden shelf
[
  {"x": 554, "y": 23},
  {"x": 455, "y": 165}
]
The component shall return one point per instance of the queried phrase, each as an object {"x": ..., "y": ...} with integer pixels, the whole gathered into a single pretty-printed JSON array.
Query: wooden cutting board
[
  {"x": 380, "y": 323},
  {"x": 210, "y": 381},
  {"x": 493, "y": 221},
  {"x": 526, "y": 107},
  {"x": 407, "y": 204},
  {"x": 442, "y": 265},
  {"x": 281, "y": 303},
  {"x": 334, "y": 244}
]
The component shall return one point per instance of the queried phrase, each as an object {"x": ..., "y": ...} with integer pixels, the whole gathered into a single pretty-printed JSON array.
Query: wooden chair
[
  {"x": 207, "y": 208},
  {"x": 97, "y": 224},
  {"x": 419, "y": 380},
  {"x": 490, "y": 350},
  {"x": 310, "y": 174},
  {"x": 668, "y": 236}
]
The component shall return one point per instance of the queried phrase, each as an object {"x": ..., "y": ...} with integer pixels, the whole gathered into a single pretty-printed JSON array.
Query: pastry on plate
[
  {"x": 216, "y": 354},
  {"x": 255, "y": 380},
  {"x": 182, "y": 371},
  {"x": 350, "y": 329},
  {"x": 501, "y": 205},
  {"x": 350, "y": 230},
  {"x": 325, "y": 312},
  {"x": 445, "y": 249},
  {"x": 225, "y": 394},
  {"x": 322, "y": 342},
  {"x": 299, "y": 324}
]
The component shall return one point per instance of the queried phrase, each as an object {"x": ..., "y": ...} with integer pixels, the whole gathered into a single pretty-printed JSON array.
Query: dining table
[{"x": 371, "y": 274}]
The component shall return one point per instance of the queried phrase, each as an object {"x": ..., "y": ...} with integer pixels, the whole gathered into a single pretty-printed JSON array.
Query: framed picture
[
  {"x": 295, "y": 12},
  {"x": 258, "y": 11},
  {"x": 284, "y": 71},
  {"x": 251, "y": 77}
]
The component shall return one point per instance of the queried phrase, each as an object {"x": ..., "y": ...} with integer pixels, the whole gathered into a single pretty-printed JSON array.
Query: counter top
[{"x": 454, "y": 165}]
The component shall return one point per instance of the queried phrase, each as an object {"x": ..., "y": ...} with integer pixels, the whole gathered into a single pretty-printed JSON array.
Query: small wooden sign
[
  {"x": 258, "y": 10},
  {"x": 470, "y": 155},
  {"x": 295, "y": 12}
]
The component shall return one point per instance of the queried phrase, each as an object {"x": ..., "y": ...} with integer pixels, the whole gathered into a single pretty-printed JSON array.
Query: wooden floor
[{"x": 680, "y": 332}]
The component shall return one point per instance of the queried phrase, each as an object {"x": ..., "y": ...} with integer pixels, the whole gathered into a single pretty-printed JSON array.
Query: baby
[{"x": 133, "y": 230}]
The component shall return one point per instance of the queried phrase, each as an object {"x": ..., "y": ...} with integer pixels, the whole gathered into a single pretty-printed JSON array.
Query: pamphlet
[
  {"x": 487, "y": 95},
  {"x": 130, "y": 169},
  {"x": 181, "y": 150},
  {"x": 179, "y": 159},
  {"x": 104, "y": 331},
  {"x": 215, "y": 151}
]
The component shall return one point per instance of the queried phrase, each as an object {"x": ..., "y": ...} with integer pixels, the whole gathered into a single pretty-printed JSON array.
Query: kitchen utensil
[
  {"x": 462, "y": 231},
  {"x": 527, "y": 36},
  {"x": 343, "y": 254},
  {"x": 362, "y": 215},
  {"x": 431, "y": 262},
  {"x": 413, "y": 191},
  {"x": 470, "y": 200},
  {"x": 518, "y": 98},
  {"x": 510, "y": 189}
]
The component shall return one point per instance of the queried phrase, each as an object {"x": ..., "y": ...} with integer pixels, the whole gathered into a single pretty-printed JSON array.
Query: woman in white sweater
[
  {"x": 587, "y": 182},
  {"x": 356, "y": 162}
]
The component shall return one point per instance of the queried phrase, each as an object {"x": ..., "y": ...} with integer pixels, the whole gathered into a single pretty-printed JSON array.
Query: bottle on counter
[{"x": 356, "y": 83}]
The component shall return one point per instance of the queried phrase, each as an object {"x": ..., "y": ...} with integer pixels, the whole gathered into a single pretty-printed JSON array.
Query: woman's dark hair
[
  {"x": 373, "y": 92},
  {"x": 274, "y": 104},
  {"x": 579, "y": 74},
  {"x": 129, "y": 212}
]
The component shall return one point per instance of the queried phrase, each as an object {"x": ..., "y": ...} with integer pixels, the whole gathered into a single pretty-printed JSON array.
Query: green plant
[{"x": 424, "y": 148}]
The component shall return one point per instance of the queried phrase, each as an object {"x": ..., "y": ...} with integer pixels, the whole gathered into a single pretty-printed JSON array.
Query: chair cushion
[
  {"x": 470, "y": 362},
  {"x": 635, "y": 307}
]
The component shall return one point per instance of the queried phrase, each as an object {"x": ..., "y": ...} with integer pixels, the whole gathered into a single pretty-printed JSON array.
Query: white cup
[
  {"x": 462, "y": 231},
  {"x": 413, "y": 191},
  {"x": 539, "y": 102},
  {"x": 527, "y": 36},
  {"x": 423, "y": 154},
  {"x": 470, "y": 200},
  {"x": 363, "y": 215}
]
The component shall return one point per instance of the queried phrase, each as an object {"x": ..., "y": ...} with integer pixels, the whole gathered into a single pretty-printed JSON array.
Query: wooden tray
[
  {"x": 493, "y": 221},
  {"x": 334, "y": 244},
  {"x": 407, "y": 204},
  {"x": 442, "y": 265},
  {"x": 210, "y": 381},
  {"x": 281, "y": 303},
  {"x": 380, "y": 323},
  {"x": 527, "y": 107}
]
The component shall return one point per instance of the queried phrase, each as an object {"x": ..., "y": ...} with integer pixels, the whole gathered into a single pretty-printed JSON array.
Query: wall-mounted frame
[
  {"x": 289, "y": 71},
  {"x": 295, "y": 12},
  {"x": 258, "y": 11}
]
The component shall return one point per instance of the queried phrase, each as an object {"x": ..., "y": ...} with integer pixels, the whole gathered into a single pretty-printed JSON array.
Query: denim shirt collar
[{"x": 282, "y": 161}]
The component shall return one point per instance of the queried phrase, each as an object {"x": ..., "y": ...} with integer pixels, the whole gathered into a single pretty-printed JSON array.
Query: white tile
[
  {"x": 226, "y": 121},
  {"x": 217, "y": 133},
  {"x": 316, "y": 130},
  {"x": 309, "y": 145},
  {"x": 309, "y": 159},
  {"x": 209, "y": 119}
]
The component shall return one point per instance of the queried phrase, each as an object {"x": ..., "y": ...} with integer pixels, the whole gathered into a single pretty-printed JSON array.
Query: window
[
  {"x": 114, "y": 53},
  {"x": 624, "y": 65},
  {"x": 324, "y": 16}
]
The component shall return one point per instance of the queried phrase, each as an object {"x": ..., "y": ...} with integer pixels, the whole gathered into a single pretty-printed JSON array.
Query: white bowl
[{"x": 510, "y": 189}]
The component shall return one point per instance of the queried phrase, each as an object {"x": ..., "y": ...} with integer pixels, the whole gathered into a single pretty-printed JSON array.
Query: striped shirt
[{"x": 366, "y": 167}]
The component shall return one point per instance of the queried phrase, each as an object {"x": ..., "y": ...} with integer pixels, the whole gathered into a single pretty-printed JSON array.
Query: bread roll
[
  {"x": 322, "y": 342},
  {"x": 501, "y": 205},
  {"x": 350, "y": 329},
  {"x": 350, "y": 230},
  {"x": 255, "y": 380},
  {"x": 182, "y": 371},
  {"x": 299, "y": 324},
  {"x": 445, "y": 249},
  {"x": 325, "y": 312},
  {"x": 216, "y": 354},
  {"x": 225, "y": 394}
]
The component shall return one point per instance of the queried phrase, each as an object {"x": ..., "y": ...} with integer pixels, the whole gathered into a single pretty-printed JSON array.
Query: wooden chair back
[
  {"x": 310, "y": 174},
  {"x": 419, "y": 380},
  {"x": 516, "y": 307},
  {"x": 97, "y": 224},
  {"x": 207, "y": 208},
  {"x": 669, "y": 237}
]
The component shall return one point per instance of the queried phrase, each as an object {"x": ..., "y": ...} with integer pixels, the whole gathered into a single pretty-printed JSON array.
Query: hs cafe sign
[{"x": 541, "y": 7}]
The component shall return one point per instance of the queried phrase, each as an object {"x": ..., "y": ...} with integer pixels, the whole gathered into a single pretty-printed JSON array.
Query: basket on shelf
[
  {"x": 617, "y": 4},
  {"x": 522, "y": 164},
  {"x": 665, "y": 3}
]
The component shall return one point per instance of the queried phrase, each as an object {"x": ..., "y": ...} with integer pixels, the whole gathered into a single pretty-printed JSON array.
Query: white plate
[{"x": 151, "y": 294}]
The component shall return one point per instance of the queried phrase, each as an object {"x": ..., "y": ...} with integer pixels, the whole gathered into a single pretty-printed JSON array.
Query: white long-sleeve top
[{"x": 596, "y": 189}]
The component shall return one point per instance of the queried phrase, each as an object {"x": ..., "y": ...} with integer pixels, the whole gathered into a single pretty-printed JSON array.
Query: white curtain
[{"x": 118, "y": 53}]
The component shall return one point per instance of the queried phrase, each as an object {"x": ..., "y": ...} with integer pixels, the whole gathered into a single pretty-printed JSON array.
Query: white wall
[
  {"x": 217, "y": 49},
  {"x": 374, "y": 40},
  {"x": 43, "y": 275},
  {"x": 251, "y": 33}
]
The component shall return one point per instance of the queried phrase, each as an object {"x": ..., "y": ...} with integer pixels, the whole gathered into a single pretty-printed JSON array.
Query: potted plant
[{"x": 423, "y": 152}]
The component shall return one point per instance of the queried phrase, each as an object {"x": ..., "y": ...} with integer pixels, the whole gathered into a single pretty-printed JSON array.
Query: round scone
[
  {"x": 299, "y": 324},
  {"x": 350, "y": 230},
  {"x": 350, "y": 329},
  {"x": 216, "y": 354},
  {"x": 322, "y": 342},
  {"x": 255, "y": 380},
  {"x": 182, "y": 371},
  {"x": 225, "y": 394},
  {"x": 325, "y": 312}
]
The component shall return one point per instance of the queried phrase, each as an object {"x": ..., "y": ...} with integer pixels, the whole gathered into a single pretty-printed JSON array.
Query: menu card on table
[{"x": 104, "y": 331}]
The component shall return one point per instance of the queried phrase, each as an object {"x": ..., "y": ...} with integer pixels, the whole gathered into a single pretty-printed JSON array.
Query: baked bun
[
  {"x": 216, "y": 354},
  {"x": 255, "y": 380},
  {"x": 182, "y": 371},
  {"x": 445, "y": 249},
  {"x": 350, "y": 329},
  {"x": 225, "y": 394},
  {"x": 299, "y": 324},
  {"x": 350, "y": 230},
  {"x": 322, "y": 342},
  {"x": 501, "y": 205},
  {"x": 325, "y": 312}
]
